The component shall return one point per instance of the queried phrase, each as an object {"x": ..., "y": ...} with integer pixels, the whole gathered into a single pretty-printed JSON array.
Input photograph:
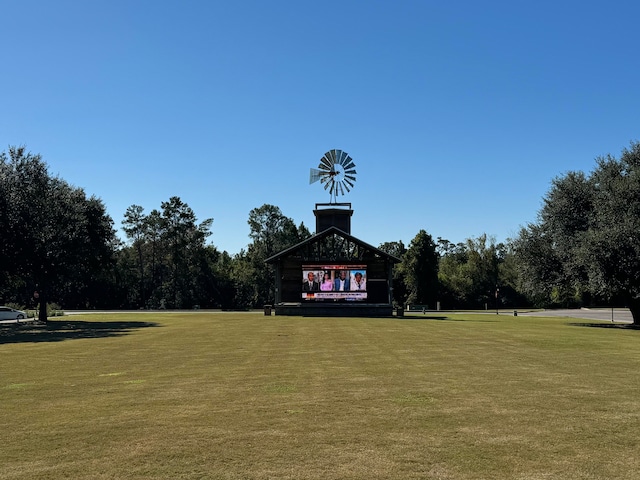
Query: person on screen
[
  {"x": 341, "y": 283},
  {"x": 310, "y": 284},
  {"x": 327, "y": 283},
  {"x": 358, "y": 282}
]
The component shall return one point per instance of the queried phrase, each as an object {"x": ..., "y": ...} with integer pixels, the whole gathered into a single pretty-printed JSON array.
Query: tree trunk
[
  {"x": 42, "y": 311},
  {"x": 634, "y": 307}
]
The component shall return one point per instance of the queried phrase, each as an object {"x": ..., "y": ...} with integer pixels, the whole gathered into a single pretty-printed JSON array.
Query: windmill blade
[
  {"x": 348, "y": 182},
  {"x": 350, "y": 172},
  {"x": 327, "y": 184},
  {"x": 349, "y": 164},
  {"x": 331, "y": 155},
  {"x": 341, "y": 189},
  {"x": 325, "y": 163},
  {"x": 314, "y": 175},
  {"x": 346, "y": 186},
  {"x": 350, "y": 177},
  {"x": 341, "y": 156}
]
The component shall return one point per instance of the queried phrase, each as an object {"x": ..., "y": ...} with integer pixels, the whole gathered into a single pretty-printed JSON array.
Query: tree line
[{"x": 58, "y": 245}]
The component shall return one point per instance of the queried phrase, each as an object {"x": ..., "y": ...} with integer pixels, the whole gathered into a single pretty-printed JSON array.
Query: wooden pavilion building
[{"x": 332, "y": 273}]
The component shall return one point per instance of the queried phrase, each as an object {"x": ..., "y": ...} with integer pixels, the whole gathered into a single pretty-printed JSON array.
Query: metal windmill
[{"x": 336, "y": 172}]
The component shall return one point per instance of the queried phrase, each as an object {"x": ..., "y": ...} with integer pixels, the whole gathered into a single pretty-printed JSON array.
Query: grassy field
[{"x": 243, "y": 396}]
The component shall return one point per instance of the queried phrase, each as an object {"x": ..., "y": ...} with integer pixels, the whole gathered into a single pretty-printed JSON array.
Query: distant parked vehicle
[{"x": 7, "y": 313}]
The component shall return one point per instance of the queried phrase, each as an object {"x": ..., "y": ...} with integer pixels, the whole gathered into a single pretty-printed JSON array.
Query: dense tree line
[
  {"x": 167, "y": 263},
  {"x": 476, "y": 274},
  {"x": 59, "y": 245}
]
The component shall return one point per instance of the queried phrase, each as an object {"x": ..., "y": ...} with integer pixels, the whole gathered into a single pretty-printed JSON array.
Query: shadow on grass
[
  {"x": 59, "y": 330},
  {"x": 617, "y": 326}
]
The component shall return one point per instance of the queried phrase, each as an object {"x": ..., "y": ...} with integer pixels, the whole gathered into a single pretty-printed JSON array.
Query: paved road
[
  {"x": 622, "y": 315},
  {"x": 24, "y": 320}
]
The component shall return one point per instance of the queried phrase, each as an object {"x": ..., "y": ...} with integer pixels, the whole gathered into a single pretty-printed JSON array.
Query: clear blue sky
[{"x": 457, "y": 114}]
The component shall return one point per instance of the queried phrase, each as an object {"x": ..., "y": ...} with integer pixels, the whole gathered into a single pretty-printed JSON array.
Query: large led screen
[{"x": 332, "y": 282}]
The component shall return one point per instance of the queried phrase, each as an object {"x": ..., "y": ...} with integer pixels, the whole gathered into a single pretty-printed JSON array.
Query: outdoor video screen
[{"x": 334, "y": 282}]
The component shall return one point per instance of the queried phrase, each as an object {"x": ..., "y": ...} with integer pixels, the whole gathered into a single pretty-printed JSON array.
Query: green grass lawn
[{"x": 244, "y": 396}]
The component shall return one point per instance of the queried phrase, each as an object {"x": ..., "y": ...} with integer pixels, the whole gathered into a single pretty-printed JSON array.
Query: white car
[{"x": 7, "y": 313}]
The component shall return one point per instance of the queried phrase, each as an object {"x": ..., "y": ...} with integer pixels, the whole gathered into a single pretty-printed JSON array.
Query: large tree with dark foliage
[
  {"x": 185, "y": 243},
  {"x": 587, "y": 238},
  {"x": 271, "y": 232},
  {"x": 420, "y": 268},
  {"x": 55, "y": 240}
]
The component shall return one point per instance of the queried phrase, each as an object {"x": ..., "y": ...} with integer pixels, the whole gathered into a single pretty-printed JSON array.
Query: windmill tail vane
[{"x": 336, "y": 171}]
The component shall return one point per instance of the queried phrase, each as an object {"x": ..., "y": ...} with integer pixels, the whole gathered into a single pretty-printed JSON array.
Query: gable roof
[{"x": 307, "y": 244}]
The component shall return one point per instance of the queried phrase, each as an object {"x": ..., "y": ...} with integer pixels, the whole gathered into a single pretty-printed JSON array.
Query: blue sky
[{"x": 457, "y": 114}]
